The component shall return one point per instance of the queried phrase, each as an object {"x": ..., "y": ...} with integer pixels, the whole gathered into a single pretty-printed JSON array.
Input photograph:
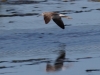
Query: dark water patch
[
  {"x": 94, "y": 0},
  {"x": 50, "y": 3},
  {"x": 75, "y": 11},
  {"x": 42, "y": 33},
  {"x": 84, "y": 58},
  {"x": 3, "y": 61},
  {"x": 22, "y": 2},
  {"x": 55, "y": 42},
  {"x": 13, "y": 12},
  {"x": 65, "y": 11},
  {"x": 2, "y": 67},
  {"x": 11, "y": 21},
  {"x": 50, "y": 33},
  {"x": 70, "y": 61},
  {"x": 89, "y": 10},
  {"x": 10, "y": 10},
  {"x": 69, "y": 0},
  {"x": 39, "y": 62},
  {"x": 13, "y": 15},
  {"x": 36, "y": 7},
  {"x": 80, "y": 11},
  {"x": 84, "y": 7},
  {"x": 40, "y": 37},
  {"x": 32, "y": 61},
  {"x": 7, "y": 72},
  {"x": 65, "y": 0},
  {"x": 27, "y": 60},
  {"x": 86, "y": 10},
  {"x": 98, "y": 9},
  {"x": 67, "y": 24},
  {"x": 90, "y": 70},
  {"x": 2, "y": 26}
]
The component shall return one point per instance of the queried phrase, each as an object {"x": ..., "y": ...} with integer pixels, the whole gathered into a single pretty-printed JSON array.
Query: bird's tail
[{"x": 64, "y": 16}]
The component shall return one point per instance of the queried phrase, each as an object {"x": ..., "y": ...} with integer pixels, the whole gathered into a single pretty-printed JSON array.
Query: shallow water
[{"x": 28, "y": 46}]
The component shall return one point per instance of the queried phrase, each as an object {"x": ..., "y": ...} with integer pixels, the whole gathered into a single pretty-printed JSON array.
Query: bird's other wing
[
  {"x": 59, "y": 22},
  {"x": 47, "y": 18}
]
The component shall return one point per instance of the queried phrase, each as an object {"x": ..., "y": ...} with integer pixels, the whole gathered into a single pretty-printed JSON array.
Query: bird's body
[{"x": 55, "y": 17}]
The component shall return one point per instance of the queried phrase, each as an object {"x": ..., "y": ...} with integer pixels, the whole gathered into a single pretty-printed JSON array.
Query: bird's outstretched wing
[
  {"x": 59, "y": 22},
  {"x": 47, "y": 18}
]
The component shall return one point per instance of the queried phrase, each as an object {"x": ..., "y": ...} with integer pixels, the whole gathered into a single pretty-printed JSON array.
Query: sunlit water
[{"x": 27, "y": 44}]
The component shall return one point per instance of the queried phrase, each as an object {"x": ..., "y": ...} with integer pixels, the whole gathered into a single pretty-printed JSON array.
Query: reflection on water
[
  {"x": 58, "y": 65},
  {"x": 59, "y": 62}
]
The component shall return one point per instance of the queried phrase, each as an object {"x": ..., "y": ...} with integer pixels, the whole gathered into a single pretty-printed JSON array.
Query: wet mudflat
[{"x": 30, "y": 47}]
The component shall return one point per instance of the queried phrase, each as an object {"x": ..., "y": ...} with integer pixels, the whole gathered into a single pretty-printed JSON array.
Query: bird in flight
[{"x": 55, "y": 17}]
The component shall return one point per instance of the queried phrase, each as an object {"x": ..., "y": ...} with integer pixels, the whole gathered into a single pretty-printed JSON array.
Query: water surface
[{"x": 28, "y": 45}]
